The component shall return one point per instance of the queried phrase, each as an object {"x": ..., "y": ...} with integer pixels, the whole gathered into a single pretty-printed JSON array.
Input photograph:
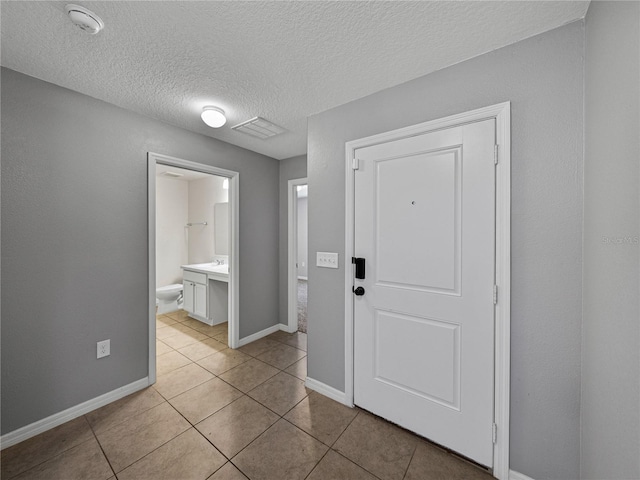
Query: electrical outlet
[
  {"x": 104, "y": 348},
  {"x": 327, "y": 259}
]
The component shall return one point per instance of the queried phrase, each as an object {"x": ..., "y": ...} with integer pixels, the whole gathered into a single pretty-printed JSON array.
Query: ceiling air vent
[{"x": 259, "y": 127}]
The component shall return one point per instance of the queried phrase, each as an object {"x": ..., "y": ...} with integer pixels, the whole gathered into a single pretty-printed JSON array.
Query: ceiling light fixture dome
[
  {"x": 213, "y": 116},
  {"x": 84, "y": 18}
]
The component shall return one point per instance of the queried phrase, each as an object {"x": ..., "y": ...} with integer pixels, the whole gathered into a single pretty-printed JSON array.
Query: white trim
[
  {"x": 262, "y": 333},
  {"x": 234, "y": 242},
  {"x": 349, "y": 272},
  {"x": 151, "y": 262},
  {"x": 300, "y": 277},
  {"x": 327, "y": 391},
  {"x": 501, "y": 113},
  {"x": 502, "y": 374},
  {"x": 513, "y": 475},
  {"x": 292, "y": 253},
  {"x": 59, "y": 418}
]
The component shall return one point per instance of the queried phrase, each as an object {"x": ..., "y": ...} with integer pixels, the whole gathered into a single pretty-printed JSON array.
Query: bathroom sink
[
  {"x": 219, "y": 268},
  {"x": 208, "y": 268}
]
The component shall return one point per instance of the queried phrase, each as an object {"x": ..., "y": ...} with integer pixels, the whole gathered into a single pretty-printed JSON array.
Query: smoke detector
[{"x": 84, "y": 18}]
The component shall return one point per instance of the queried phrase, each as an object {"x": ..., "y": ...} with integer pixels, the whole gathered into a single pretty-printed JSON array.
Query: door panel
[
  {"x": 430, "y": 259},
  {"x": 439, "y": 342},
  {"x": 423, "y": 338}
]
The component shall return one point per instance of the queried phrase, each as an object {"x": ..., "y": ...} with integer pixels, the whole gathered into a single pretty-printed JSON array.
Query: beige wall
[
  {"x": 179, "y": 202},
  {"x": 172, "y": 200},
  {"x": 203, "y": 195}
]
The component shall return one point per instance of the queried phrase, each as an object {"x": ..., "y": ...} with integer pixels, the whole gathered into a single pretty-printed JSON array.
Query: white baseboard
[
  {"x": 56, "y": 419},
  {"x": 285, "y": 328},
  {"x": 513, "y": 475},
  {"x": 326, "y": 390},
  {"x": 260, "y": 334}
]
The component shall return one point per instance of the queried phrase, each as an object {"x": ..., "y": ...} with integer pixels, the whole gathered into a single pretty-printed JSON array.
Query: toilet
[{"x": 169, "y": 298}]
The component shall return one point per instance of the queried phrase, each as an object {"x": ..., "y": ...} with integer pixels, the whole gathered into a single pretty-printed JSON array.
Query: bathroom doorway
[
  {"x": 193, "y": 243},
  {"x": 298, "y": 263}
]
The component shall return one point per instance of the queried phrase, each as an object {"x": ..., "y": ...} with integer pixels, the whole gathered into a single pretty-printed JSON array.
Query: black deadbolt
[
  {"x": 358, "y": 291},
  {"x": 359, "y": 263}
]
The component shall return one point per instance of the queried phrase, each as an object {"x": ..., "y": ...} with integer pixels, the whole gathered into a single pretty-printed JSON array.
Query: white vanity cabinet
[
  {"x": 195, "y": 294},
  {"x": 205, "y": 290}
]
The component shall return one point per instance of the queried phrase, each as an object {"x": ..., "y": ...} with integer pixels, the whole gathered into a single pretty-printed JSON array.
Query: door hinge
[
  {"x": 494, "y": 433},
  {"x": 355, "y": 164},
  {"x": 495, "y": 294},
  {"x": 495, "y": 154}
]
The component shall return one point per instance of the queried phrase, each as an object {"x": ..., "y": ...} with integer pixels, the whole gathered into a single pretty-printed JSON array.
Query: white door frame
[
  {"x": 292, "y": 253},
  {"x": 234, "y": 242},
  {"x": 501, "y": 113}
]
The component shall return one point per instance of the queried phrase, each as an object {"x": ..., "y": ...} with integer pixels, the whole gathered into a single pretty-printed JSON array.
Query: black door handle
[
  {"x": 358, "y": 291},
  {"x": 359, "y": 263}
]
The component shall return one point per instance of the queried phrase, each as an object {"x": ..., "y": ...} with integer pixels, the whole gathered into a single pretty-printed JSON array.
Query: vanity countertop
[{"x": 213, "y": 271}]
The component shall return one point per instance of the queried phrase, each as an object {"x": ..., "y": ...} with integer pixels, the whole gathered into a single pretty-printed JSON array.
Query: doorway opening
[
  {"x": 298, "y": 192},
  {"x": 193, "y": 246}
]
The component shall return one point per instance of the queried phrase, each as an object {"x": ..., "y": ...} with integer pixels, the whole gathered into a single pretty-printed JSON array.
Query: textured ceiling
[{"x": 279, "y": 60}]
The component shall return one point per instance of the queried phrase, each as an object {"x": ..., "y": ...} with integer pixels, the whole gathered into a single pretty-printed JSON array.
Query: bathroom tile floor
[{"x": 221, "y": 414}]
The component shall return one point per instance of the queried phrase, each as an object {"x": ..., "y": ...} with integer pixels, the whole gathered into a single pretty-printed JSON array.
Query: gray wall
[
  {"x": 74, "y": 242},
  {"x": 290, "y": 169},
  {"x": 542, "y": 77},
  {"x": 611, "y": 328}
]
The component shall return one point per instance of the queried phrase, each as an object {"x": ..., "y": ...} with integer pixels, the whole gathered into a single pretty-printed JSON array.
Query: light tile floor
[{"x": 223, "y": 414}]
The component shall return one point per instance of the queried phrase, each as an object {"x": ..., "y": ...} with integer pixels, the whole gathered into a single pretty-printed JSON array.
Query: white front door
[{"x": 424, "y": 331}]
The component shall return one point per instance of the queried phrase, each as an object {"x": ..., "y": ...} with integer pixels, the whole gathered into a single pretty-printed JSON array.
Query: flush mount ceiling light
[
  {"x": 213, "y": 116},
  {"x": 84, "y": 19}
]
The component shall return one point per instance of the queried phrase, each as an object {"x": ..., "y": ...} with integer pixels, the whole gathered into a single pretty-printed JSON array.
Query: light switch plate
[{"x": 327, "y": 259}]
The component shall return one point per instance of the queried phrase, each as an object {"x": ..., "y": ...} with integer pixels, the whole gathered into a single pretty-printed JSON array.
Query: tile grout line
[
  {"x": 22, "y": 472},
  {"x": 148, "y": 453},
  {"x": 190, "y": 388},
  {"x": 269, "y": 408},
  {"x": 352, "y": 420},
  {"x": 104, "y": 454},
  {"x": 193, "y": 425},
  {"x": 353, "y": 461},
  {"x": 344, "y": 456},
  {"x": 406, "y": 470},
  {"x": 357, "y": 464},
  {"x": 318, "y": 462}
]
